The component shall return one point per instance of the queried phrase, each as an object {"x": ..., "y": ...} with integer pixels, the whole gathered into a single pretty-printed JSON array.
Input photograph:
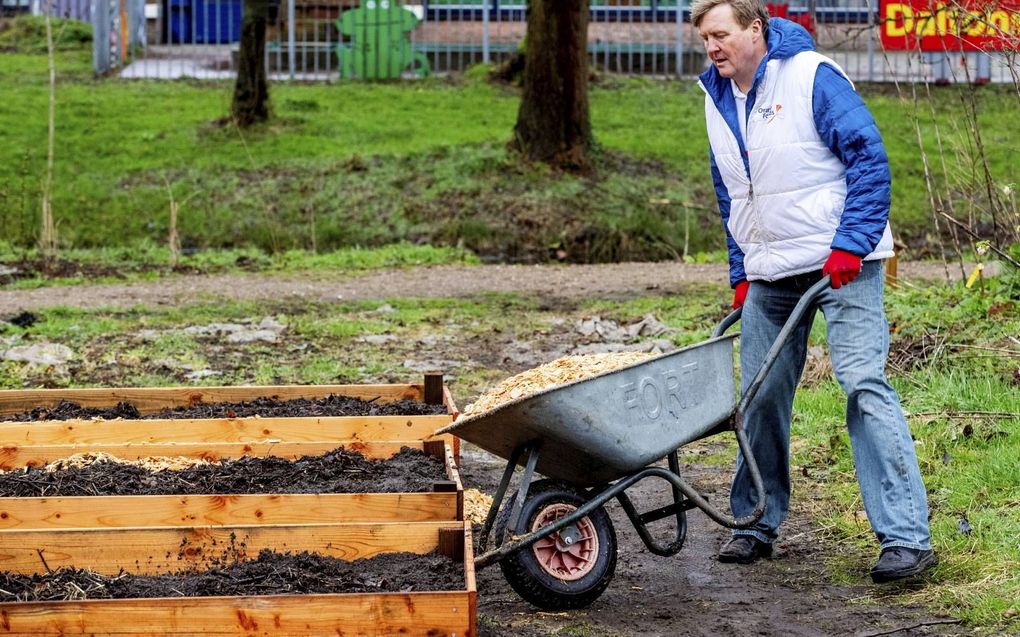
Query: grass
[
  {"x": 357, "y": 164},
  {"x": 963, "y": 409}
]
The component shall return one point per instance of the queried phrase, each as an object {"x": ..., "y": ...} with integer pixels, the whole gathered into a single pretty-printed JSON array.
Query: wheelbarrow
[{"x": 595, "y": 438}]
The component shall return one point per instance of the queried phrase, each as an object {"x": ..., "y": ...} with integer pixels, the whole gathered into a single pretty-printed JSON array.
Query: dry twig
[{"x": 934, "y": 622}]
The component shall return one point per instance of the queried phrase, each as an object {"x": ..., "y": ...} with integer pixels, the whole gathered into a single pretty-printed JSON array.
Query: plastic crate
[{"x": 217, "y": 21}]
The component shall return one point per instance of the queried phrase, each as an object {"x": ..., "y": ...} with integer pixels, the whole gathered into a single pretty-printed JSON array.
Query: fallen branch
[
  {"x": 998, "y": 350},
  {"x": 934, "y": 622},
  {"x": 964, "y": 414}
]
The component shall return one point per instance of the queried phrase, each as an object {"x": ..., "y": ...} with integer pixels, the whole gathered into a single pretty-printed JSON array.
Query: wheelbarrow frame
[{"x": 685, "y": 497}]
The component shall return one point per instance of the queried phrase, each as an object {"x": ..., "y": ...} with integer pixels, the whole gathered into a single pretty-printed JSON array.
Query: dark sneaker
[
  {"x": 898, "y": 562},
  {"x": 744, "y": 549}
]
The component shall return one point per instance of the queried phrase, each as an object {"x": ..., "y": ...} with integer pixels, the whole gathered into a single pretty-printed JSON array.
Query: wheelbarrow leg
[
  {"x": 531, "y": 449},
  {"x": 679, "y": 508},
  {"x": 522, "y": 489}
]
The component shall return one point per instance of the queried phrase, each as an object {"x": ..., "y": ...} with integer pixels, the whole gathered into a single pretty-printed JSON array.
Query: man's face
[{"x": 734, "y": 50}]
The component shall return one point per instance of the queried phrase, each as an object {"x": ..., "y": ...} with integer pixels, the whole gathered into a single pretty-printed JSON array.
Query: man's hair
[{"x": 744, "y": 11}]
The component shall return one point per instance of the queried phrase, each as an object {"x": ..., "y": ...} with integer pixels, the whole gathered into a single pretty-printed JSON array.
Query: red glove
[
  {"x": 843, "y": 267},
  {"x": 740, "y": 294}
]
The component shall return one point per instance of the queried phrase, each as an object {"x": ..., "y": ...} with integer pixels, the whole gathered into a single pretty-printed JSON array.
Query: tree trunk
[
  {"x": 552, "y": 123},
  {"x": 251, "y": 92}
]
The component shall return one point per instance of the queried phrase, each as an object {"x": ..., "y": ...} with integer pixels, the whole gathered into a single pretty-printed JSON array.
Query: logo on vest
[{"x": 769, "y": 114}]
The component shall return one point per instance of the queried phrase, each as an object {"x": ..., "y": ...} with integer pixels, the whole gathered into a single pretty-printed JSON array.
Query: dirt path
[
  {"x": 573, "y": 282},
  {"x": 692, "y": 594}
]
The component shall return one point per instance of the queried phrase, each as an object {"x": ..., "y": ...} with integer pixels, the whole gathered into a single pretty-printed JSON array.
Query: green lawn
[
  {"x": 959, "y": 382},
  {"x": 370, "y": 164}
]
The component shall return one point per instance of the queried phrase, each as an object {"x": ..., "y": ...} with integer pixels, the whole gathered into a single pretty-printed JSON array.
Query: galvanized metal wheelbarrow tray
[{"x": 601, "y": 434}]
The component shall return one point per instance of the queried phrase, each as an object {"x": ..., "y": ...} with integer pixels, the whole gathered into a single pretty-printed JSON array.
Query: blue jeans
[{"x": 858, "y": 338}]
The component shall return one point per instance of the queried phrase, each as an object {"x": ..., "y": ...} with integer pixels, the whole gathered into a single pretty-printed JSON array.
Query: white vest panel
[{"x": 786, "y": 228}]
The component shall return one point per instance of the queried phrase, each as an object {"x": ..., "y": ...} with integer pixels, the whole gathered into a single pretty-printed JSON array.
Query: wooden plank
[
  {"x": 451, "y": 407},
  {"x": 415, "y": 614},
  {"x": 454, "y": 474},
  {"x": 163, "y": 549},
  {"x": 433, "y": 388},
  {"x": 194, "y": 510},
  {"x": 361, "y": 428},
  {"x": 149, "y": 399},
  {"x": 15, "y": 456},
  {"x": 469, "y": 576}
]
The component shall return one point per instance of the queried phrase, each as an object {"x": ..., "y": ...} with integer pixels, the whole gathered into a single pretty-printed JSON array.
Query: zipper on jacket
[{"x": 762, "y": 232}]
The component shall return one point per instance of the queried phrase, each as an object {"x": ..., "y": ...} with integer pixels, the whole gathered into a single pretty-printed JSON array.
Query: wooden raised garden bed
[
  {"x": 150, "y": 400},
  {"x": 157, "y": 550},
  {"x": 40, "y": 442},
  {"x": 163, "y": 534}
]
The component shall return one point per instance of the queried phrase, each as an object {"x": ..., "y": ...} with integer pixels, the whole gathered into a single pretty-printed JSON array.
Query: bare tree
[
  {"x": 251, "y": 92},
  {"x": 552, "y": 123}
]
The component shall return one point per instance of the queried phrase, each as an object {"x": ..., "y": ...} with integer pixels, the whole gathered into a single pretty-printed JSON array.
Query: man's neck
[{"x": 744, "y": 83}]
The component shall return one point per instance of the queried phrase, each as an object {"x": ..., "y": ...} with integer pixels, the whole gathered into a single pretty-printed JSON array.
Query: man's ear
[{"x": 757, "y": 28}]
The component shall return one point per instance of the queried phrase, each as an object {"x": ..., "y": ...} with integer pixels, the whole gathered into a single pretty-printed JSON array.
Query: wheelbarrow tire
[{"x": 536, "y": 583}]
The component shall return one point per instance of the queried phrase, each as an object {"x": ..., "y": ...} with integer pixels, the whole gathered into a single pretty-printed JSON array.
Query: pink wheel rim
[{"x": 567, "y": 563}]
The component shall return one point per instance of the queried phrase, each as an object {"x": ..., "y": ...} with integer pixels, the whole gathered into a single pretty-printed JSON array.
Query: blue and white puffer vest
[{"x": 787, "y": 203}]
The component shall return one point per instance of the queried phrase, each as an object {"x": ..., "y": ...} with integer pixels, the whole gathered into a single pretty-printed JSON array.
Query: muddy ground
[
  {"x": 622, "y": 280},
  {"x": 692, "y": 594},
  {"x": 689, "y": 594}
]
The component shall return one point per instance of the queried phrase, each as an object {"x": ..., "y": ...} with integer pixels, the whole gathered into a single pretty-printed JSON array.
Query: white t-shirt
[{"x": 741, "y": 100}]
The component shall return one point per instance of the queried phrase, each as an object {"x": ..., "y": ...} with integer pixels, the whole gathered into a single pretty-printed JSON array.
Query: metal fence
[{"x": 334, "y": 40}]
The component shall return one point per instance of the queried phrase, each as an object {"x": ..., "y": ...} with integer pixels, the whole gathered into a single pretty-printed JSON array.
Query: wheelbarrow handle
[
  {"x": 727, "y": 322},
  {"x": 805, "y": 303}
]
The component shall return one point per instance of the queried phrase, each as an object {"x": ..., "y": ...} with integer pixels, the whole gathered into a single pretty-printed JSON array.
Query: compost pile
[
  {"x": 559, "y": 372},
  {"x": 332, "y": 405},
  {"x": 337, "y": 471},
  {"x": 270, "y": 574}
]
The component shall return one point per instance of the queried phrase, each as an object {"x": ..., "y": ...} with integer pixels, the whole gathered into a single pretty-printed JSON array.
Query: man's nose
[{"x": 711, "y": 45}]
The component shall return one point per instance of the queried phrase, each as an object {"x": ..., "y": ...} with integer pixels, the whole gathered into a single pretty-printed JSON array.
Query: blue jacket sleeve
[
  {"x": 736, "y": 255},
  {"x": 848, "y": 129}
]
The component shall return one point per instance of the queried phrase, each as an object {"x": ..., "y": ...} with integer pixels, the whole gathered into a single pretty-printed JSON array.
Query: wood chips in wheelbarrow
[{"x": 559, "y": 372}]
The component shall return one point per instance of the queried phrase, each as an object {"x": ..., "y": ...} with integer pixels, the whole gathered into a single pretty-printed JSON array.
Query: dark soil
[
  {"x": 270, "y": 574},
  {"x": 57, "y": 269},
  {"x": 339, "y": 471},
  {"x": 266, "y": 407}
]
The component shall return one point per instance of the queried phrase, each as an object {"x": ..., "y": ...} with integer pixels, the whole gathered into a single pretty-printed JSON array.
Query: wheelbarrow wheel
[{"x": 557, "y": 572}]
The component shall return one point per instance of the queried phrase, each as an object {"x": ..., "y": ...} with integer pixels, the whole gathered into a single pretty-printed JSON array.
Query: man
[{"x": 803, "y": 185}]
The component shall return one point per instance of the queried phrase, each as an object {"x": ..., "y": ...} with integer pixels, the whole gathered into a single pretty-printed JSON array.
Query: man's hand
[
  {"x": 843, "y": 267},
  {"x": 740, "y": 294}
]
